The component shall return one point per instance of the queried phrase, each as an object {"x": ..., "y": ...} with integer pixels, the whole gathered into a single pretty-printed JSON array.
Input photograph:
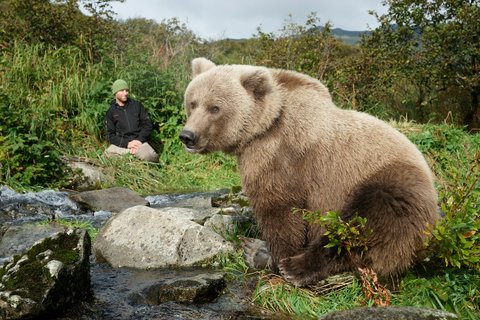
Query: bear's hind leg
[
  {"x": 399, "y": 203},
  {"x": 315, "y": 264}
]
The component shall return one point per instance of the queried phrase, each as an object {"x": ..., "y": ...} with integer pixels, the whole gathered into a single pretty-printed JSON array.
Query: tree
[
  {"x": 58, "y": 23},
  {"x": 436, "y": 45},
  {"x": 309, "y": 49}
]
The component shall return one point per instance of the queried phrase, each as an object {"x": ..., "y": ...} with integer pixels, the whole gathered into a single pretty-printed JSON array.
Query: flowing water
[{"x": 117, "y": 292}]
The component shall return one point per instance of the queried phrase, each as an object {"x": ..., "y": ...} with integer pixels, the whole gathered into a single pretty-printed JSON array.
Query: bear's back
[
  {"x": 308, "y": 108},
  {"x": 329, "y": 144}
]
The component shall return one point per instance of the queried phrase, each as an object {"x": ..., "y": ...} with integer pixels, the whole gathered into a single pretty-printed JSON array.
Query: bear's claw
[
  {"x": 255, "y": 253},
  {"x": 294, "y": 270}
]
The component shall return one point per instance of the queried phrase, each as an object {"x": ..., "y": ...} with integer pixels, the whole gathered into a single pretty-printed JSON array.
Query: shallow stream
[
  {"x": 118, "y": 292},
  {"x": 116, "y": 297}
]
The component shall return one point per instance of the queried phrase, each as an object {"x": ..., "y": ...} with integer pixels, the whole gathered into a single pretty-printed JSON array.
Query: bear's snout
[{"x": 188, "y": 138}]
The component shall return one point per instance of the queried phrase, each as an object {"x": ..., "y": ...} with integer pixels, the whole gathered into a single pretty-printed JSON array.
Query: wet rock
[
  {"x": 156, "y": 238},
  {"x": 391, "y": 313},
  {"x": 34, "y": 205},
  {"x": 52, "y": 275},
  {"x": 112, "y": 199},
  {"x": 196, "y": 289},
  {"x": 119, "y": 294},
  {"x": 235, "y": 198},
  {"x": 19, "y": 238},
  {"x": 190, "y": 200}
]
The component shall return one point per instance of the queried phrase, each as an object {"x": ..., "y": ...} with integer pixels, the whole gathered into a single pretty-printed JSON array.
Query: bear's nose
[{"x": 188, "y": 138}]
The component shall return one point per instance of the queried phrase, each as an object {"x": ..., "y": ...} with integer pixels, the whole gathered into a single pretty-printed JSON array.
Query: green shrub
[
  {"x": 44, "y": 93},
  {"x": 342, "y": 235},
  {"x": 456, "y": 239},
  {"x": 454, "y": 156}
]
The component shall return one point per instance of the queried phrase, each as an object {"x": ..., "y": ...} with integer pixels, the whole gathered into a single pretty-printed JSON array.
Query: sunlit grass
[
  {"x": 182, "y": 173},
  {"x": 274, "y": 293},
  {"x": 75, "y": 224}
]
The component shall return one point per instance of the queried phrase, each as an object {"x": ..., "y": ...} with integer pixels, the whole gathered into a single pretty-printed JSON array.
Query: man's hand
[{"x": 134, "y": 145}]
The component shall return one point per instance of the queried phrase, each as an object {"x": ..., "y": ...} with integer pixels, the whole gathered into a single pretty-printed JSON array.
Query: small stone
[
  {"x": 54, "y": 267},
  {"x": 45, "y": 255}
]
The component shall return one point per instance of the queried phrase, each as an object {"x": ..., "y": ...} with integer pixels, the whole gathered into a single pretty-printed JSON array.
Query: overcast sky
[{"x": 218, "y": 19}]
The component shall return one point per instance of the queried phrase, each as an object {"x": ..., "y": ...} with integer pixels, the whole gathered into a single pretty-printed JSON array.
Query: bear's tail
[{"x": 400, "y": 205}]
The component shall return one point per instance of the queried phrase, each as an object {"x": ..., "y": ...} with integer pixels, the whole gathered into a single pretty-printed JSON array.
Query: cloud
[{"x": 214, "y": 19}]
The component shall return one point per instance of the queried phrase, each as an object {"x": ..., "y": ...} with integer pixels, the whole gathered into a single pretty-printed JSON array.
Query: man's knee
[
  {"x": 146, "y": 152},
  {"x": 113, "y": 150}
]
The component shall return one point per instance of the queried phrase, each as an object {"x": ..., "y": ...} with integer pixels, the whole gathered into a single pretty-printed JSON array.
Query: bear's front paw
[
  {"x": 295, "y": 270},
  {"x": 255, "y": 253}
]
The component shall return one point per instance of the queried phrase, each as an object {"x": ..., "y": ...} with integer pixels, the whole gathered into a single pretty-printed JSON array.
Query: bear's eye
[
  {"x": 214, "y": 109},
  {"x": 193, "y": 105}
]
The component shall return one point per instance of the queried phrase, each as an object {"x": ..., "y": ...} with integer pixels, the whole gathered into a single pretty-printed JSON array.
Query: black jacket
[{"x": 127, "y": 123}]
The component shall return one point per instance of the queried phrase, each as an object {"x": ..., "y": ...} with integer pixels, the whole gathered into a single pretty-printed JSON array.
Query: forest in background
[{"x": 57, "y": 65}]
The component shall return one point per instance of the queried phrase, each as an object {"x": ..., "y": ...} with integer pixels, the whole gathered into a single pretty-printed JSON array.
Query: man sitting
[{"x": 128, "y": 125}]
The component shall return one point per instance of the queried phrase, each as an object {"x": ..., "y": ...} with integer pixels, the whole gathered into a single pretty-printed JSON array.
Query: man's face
[{"x": 122, "y": 95}]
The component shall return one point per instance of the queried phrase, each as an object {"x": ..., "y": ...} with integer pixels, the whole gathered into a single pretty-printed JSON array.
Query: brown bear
[{"x": 296, "y": 149}]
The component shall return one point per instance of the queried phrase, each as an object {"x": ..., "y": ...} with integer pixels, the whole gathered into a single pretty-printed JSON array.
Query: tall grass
[
  {"x": 182, "y": 173},
  {"x": 53, "y": 103},
  {"x": 42, "y": 90},
  {"x": 50, "y": 87}
]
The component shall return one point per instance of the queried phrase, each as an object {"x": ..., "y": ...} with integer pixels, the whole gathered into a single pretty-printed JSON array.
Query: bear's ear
[
  {"x": 200, "y": 65},
  {"x": 258, "y": 82}
]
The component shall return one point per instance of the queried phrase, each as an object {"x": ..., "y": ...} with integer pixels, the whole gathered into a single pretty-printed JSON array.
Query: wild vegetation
[{"x": 419, "y": 69}]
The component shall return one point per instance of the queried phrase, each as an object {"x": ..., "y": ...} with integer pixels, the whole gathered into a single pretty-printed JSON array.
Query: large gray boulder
[
  {"x": 112, "y": 199},
  {"x": 143, "y": 237},
  {"x": 52, "y": 275},
  {"x": 19, "y": 238}
]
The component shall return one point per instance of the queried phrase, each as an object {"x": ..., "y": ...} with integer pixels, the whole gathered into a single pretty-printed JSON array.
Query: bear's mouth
[
  {"x": 196, "y": 148},
  {"x": 192, "y": 149}
]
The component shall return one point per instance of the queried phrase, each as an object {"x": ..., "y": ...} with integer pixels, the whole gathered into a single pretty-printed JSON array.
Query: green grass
[
  {"x": 450, "y": 289},
  {"x": 453, "y": 290},
  {"x": 273, "y": 293},
  {"x": 182, "y": 173}
]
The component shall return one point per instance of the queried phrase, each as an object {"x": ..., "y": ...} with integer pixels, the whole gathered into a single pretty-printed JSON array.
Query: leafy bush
[
  {"x": 456, "y": 239},
  {"x": 157, "y": 91},
  {"x": 342, "y": 235},
  {"x": 454, "y": 156},
  {"x": 43, "y": 93}
]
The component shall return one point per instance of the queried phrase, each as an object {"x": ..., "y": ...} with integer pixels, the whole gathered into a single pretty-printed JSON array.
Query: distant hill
[{"x": 350, "y": 37}]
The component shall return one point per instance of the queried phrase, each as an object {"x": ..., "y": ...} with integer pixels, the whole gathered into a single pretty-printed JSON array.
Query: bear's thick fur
[{"x": 296, "y": 149}]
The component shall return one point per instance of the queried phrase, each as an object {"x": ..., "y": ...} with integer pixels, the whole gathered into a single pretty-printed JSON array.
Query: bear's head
[{"x": 227, "y": 106}]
